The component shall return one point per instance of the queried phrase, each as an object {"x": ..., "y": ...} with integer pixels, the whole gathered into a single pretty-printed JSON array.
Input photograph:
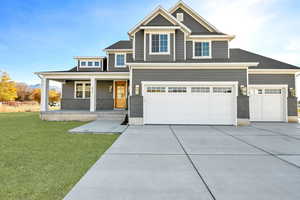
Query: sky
[{"x": 45, "y": 35}]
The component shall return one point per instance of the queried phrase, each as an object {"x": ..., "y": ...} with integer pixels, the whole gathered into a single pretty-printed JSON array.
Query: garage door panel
[
  {"x": 197, "y": 107},
  {"x": 267, "y": 104}
]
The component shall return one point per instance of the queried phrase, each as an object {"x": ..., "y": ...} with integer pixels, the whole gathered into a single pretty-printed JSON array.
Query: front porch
[{"x": 86, "y": 96}]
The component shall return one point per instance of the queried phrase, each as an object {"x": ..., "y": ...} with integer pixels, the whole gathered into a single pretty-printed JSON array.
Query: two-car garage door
[{"x": 189, "y": 103}]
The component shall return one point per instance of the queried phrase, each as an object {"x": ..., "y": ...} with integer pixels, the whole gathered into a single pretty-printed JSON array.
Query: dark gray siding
[
  {"x": 89, "y": 69},
  {"x": 292, "y": 106},
  {"x": 159, "y": 20},
  {"x": 111, "y": 63},
  {"x": 190, "y": 22},
  {"x": 139, "y": 45},
  {"x": 187, "y": 75},
  {"x": 189, "y": 50},
  {"x": 179, "y": 45},
  {"x": 260, "y": 79},
  {"x": 219, "y": 49},
  {"x": 243, "y": 107},
  {"x": 156, "y": 58},
  {"x": 136, "y": 106},
  {"x": 287, "y": 79},
  {"x": 104, "y": 97}
]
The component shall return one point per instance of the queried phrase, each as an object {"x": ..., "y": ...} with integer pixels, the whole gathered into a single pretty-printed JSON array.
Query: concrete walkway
[
  {"x": 197, "y": 162},
  {"x": 101, "y": 127}
]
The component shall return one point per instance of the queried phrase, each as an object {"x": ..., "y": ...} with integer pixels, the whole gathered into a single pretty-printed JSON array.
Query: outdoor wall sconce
[
  {"x": 243, "y": 90},
  {"x": 137, "y": 89},
  {"x": 110, "y": 89},
  {"x": 292, "y": 92}
]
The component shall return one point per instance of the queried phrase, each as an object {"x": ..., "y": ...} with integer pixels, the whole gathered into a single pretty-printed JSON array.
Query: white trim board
[
  {"x": 274, "y": 71},
  {"x": 192, "y": 65}
]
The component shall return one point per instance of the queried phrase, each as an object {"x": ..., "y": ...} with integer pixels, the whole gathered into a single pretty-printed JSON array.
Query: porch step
[{"x": 112, "y": 115}]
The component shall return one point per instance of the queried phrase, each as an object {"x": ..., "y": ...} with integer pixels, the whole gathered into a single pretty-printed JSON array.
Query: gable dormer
[
  {"x": 177, "y": 35},
  {"x": 190, "y": 18},
  {"x": 154, "y": 38}
]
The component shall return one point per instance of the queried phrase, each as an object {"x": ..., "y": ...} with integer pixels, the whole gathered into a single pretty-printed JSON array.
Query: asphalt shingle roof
[{"x": 122, "y": 44}]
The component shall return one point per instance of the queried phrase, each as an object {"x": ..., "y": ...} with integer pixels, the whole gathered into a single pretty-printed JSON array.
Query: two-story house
[{"x": 176, "y": 68}]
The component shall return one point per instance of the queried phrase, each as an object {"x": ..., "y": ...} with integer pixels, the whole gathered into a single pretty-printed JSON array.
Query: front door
[{"x": 120, "y": 94}]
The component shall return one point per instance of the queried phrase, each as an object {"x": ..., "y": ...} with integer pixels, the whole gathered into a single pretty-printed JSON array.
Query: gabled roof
[
  {"x": 240, "y": 55},
  {"x": 122, "y": 44},
  {"x": 154, "y": 13},
  {"x": 194, "y": 14}
]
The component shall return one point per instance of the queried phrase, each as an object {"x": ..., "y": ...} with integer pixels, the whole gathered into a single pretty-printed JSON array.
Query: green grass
[{"x": 40, "y": 160}]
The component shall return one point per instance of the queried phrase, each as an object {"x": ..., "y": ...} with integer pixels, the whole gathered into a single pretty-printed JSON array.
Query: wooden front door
[{"x": 120, "y": 94}]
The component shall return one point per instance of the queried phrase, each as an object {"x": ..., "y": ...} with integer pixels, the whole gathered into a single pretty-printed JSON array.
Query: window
[
  {"x": 159, "y": 43},
  {"x": 120, "y": 60},
  {"x": 82, "y": 90},
  {"x": 156, "y": 89},
  {"x": 201, "y": 49},
  {"x": 90, "y": 63},
  {"x": 177, "y": 89},
  {"x": 272, "y": 91},
  {"x": 222, "y": 90},
  {"x": 97, "y": 64},
  {"x": 259, "y": 91},
  {"x": 82, "y": 63},
  {"x": 179, "y": 17},
  {"x": 200, "y": 89}
]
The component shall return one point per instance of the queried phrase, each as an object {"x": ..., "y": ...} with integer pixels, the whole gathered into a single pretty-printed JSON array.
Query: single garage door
[
  {"x": 268, "y": 103},
  {"x": 189, "y": 104}
]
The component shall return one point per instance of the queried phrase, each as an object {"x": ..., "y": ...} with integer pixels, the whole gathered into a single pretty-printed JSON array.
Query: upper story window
[
  {"x": 120, "y": 60},
  {"x": 82, "y": 90},
  {"x": 90, "y": 63},
  {"x": 159, "y": 44},
  {"x": 179, "y": 17},
  {"x": 83, "y": 63},
  {"x": 202, "y": 50}
]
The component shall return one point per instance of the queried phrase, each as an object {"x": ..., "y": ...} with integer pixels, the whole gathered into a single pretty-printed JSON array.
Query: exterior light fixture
[
  {"x": 243, "y": 90},
  {"x": 292, "y": 92},
  {"x": 137, "y": 89}
]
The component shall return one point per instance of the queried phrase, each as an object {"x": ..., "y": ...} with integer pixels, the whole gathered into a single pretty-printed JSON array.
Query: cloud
[{"x": 262, "y": 26}]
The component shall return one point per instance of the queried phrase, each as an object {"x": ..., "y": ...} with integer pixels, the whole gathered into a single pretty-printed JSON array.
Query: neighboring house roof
[{"x": 122, "y": 44}]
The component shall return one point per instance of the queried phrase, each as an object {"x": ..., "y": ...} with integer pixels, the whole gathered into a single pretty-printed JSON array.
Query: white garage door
[
  {"x": 267, "y": 104},
  {"x": 189, "y": 104}
]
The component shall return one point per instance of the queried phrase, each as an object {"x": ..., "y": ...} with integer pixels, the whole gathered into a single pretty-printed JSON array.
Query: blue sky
[{"x": 42, "y": 35}]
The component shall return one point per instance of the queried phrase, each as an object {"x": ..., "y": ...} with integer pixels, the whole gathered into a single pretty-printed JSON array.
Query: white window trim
[
  {"x": 83, "y": 89},
  {"x": 150, "y": 43},
  {"x": 93, "y": 61},
  {"x": 120, "y": 66},
  {"x": 202, "y": 57}
]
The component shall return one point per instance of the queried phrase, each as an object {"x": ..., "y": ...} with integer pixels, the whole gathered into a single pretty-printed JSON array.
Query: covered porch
[{"x": 86, "y": 95}]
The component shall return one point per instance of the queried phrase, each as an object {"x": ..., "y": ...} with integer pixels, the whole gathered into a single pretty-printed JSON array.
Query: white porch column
[
  {"x": 93, "y": 94},
  {"x": 44, "y": 94}
]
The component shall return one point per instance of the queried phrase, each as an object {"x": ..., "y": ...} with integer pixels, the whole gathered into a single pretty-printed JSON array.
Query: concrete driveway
[{"x": 197, "y": 162}]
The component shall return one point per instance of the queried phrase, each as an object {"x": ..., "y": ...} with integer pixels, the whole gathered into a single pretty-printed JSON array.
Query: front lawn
[{"x": 40, "y": 160}]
